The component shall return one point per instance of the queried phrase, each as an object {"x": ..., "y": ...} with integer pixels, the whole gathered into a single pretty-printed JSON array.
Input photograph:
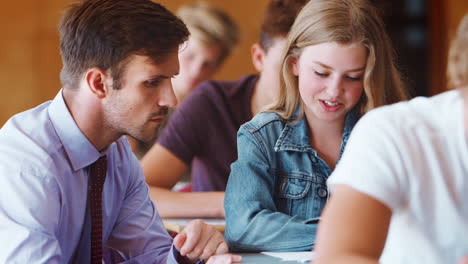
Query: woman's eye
[
  {"x": 321, "y": 74},
  {"x": 351, "y": 78}
]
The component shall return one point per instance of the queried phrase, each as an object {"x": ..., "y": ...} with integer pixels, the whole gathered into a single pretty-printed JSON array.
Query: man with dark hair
[
  {"x": 213, "y": 36},
  {"x": 72, "y": 191},
  {"x": 202, "y": 131}
]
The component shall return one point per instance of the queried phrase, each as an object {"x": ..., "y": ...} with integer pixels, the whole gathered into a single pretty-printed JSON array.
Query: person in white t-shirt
[{"x": 399, "y": 193}]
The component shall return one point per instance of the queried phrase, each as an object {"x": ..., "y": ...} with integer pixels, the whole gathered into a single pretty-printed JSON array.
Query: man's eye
[{"x": 152, "y": 83}]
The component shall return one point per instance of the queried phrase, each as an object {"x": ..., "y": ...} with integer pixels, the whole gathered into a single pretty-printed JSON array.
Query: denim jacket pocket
[
  {"x": 293, "y": 187},
  {"x": 293, "y": 194}
]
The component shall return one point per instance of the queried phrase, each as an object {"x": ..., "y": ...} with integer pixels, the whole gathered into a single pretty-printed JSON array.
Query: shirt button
[{"x": 322, "y": 192}]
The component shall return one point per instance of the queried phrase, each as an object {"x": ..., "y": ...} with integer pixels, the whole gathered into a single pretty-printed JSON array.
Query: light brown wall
[
  {"x": 29, "y": 53},
  {"x": 30, "y": 61},
  {"x": 29, "y": 56},
  {"x": 456, "y": 9},
  {"x": 444, "y": 18}
]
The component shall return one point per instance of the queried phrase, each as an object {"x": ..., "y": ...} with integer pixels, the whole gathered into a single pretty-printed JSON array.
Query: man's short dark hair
[
  {"x": 104, "y": 33},
  {"x": 278, "y": 20}
]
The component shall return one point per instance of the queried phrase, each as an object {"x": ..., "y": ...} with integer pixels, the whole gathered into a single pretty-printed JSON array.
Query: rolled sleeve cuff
[{"x": 174, "y": 257}]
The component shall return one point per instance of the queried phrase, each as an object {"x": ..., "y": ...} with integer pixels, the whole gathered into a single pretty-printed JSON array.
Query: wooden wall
[
  {"x": 29, "y": 50},
  {"x": 444, "y": 18},
  {"x": 30, "y": 61}
]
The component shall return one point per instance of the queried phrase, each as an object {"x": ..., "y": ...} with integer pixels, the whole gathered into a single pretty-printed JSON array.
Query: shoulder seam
[{"x": 255, "y": 124}]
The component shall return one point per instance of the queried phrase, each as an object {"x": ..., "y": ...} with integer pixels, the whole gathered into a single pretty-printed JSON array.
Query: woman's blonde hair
[
  {"x": 210, "y": 25},
  {"x": 457, "y": 68},
  {"x": 344, "y": 22}
]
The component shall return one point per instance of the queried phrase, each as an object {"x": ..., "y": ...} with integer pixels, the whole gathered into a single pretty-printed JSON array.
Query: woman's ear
[
  {"x": 258, "y": 56},
  {"x": 294, "y": 64},
  {"x": 97, "y": 82}
]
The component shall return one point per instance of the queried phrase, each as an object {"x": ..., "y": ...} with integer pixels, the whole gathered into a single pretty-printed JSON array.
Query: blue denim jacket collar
[{"x": 295, "y": 135}]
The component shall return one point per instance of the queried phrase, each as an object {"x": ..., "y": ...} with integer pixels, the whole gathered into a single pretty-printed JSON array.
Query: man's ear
[
  {"x": 97, "y": 81},
  {"x": 258, "y": 56}
]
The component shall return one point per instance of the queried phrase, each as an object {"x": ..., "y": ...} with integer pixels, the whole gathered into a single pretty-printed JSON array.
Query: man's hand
[
  {"x": 201, "y": 241},
  {"x": 224, "y": 259},
  {"x": 463, "y": 260}
]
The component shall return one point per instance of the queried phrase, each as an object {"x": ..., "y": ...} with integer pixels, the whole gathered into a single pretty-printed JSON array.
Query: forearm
[
  {"x": 171, "y": 256},
  {"x": 162, "y": 168},
  {"x": 187, "y": 204},
  {"x": 269, "y": 231}
]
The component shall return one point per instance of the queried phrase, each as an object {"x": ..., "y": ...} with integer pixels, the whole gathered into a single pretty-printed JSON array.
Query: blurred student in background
[
  {"x": 338, "y": 64},
  {"x": 213, "y": 36},
  {"x": 400, "y": 190},
  {"x": 202, "y": 132}
]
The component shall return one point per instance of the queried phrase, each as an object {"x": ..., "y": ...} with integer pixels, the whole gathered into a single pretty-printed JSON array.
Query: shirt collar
[
  {"x": 81, "y": 153},
  {"x": 295, "y": 134}
]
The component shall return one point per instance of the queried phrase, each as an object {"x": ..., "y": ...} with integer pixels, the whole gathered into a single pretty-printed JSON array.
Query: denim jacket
[{"x": 277, "y": 187}]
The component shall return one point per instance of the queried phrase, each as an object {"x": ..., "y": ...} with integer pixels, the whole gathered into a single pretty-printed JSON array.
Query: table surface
[{"x": 300, "y": 257}]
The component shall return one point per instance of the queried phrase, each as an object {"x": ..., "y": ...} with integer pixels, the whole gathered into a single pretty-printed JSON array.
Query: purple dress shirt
[{"x": 44, "y": 172}]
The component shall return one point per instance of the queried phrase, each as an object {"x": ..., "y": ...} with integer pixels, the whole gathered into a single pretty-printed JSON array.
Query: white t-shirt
[{"x": 413, "y": 157}]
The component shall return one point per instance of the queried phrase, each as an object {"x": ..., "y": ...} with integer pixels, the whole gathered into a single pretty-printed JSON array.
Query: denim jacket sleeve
[{"x": 253, "y": 221}]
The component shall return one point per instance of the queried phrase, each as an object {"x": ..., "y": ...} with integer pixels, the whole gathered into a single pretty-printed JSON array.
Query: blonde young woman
[
  {"x": 338, "y": 64},
  {"x": 201, "y": 134},
  {"x": 403, "y": 180}
]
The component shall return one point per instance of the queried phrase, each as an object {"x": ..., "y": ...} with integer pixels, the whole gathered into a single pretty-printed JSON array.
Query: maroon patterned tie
[{"x": 98, "y": 176}]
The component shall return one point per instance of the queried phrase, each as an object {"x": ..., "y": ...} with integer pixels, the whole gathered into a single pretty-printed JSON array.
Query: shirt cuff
[{"x": 174, "y": 257}]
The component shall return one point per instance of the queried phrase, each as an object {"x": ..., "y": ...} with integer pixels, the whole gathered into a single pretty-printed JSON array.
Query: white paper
[{"x": 301, "y": 256}]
